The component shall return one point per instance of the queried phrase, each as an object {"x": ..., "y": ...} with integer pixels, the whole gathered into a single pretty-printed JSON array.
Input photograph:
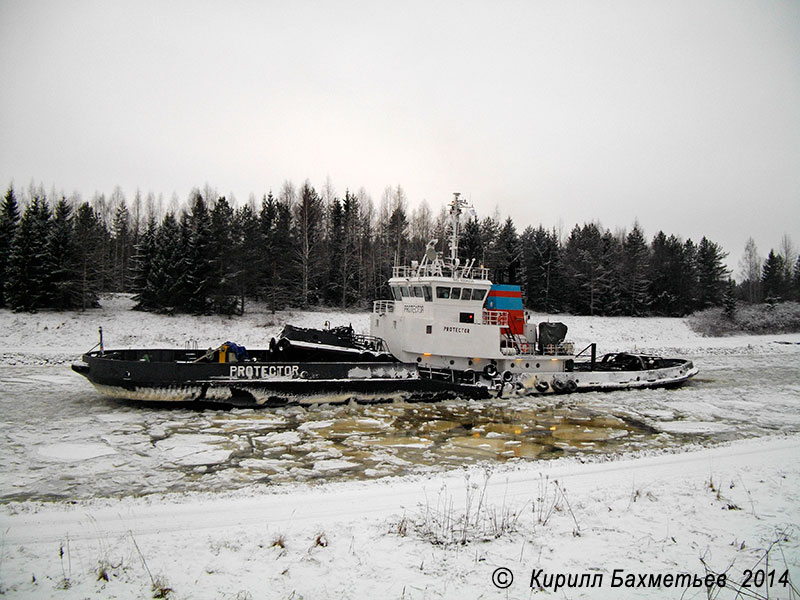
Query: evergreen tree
[
  {"x": 278, "y": 268},
  {"x": 688, "y": 281},
  {"x": 267, "y": 218},
  {"x": 541, "y": 264},
  {"x": 224, "y": 265},
  {"x": 672, "y": 275},
  {"x": 198, "y": 280},
  {"x": 490, "y": 229},
  {"x": 335, "y": 244},
  {"x": 164, "y": 290},
  {"x": 507, "y": 255},
  {"x": 348, "y": 270},
  {"x": 90, "y": 235},
  {"x": 470, "y": 246},
  {"x": 610, "y": 284},
  {"x": 585, "y": 271},
  {"x": 729, "y": 300},
  {"x": 247, "y": 254},
  {"x": 772, "y": 277},
  {"x": 63, "y": 264},
  {"x": 796, "y": 279},
  {"x": 120, "y": 248},
  {"x": 28, "y": 284},
  {"x": 634, "y": 273},
  {"x": 9, "y": 222},
  {"x": 711, "y": 274},
  {"x": 142, "y": 263}
]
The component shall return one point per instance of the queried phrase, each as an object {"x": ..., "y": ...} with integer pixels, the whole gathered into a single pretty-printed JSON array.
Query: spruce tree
[
  {"x": 198, "y": 279},
  {"x": 348, "y": 270},
  {"x": 142, "y": 262},
  {"x": 729, "y": 300},
  {"x": 711, "y": 274},
  {"x": 470, "y": 246},
  {"x": 28, "y": 283},
  {"x": 224, "y": 266},
  {"x": 672, "y": 275},
  {"x": 247, "y": 254},
  {"x": 335, "y": 252},
  {"x": 687, "y": 278},
  {"x": 772, "y": 278},
  {"x": 796, "y": 279},
  {"x": 90, "y": 235},
  {"x": 634, "y": 273},
  {"x": 586, "y": 273},
  {"x": 120, "y": 248},
  {"x": 9, "y": 222},
  {"x": 490, "y": 229},
  {"x": 164, "y": 290},
  {"x": 507, "y": 255},
  {"x": 610, "y": 284},
  {"x": 63, "y": 265},
  {"x": 541, "y": 263}
]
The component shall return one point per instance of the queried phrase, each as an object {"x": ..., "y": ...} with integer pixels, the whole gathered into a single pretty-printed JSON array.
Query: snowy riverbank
[
  {"x": 53, "y": 337},
  {"x": 728, "y": 508}
]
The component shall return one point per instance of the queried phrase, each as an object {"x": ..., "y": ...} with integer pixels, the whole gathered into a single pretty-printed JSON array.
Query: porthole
[
  {"x": 419, "y": 359},
  {"x": 537, "y": 365},
  {"x": 452, "y": 362},
  {"x": 527, "y": 365},
  {"x": 470, "y": 363}
]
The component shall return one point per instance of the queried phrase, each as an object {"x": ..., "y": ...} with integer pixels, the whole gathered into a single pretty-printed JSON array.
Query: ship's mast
[{"x": 455, "y": 212}]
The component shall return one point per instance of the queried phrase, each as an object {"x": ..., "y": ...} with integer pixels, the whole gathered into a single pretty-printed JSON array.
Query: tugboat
[
  {"x": 449, "y": 319},
  {"x": 447, "y": 332}
]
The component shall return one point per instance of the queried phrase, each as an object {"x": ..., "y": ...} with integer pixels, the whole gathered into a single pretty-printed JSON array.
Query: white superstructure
[{"x": 438, "y": 318}]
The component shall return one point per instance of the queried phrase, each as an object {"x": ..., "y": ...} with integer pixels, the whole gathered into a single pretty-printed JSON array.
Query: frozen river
[{"x": 61, "y": 440}]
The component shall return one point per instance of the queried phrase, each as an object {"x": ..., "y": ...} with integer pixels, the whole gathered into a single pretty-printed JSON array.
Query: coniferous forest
[{"x": 303, "y": 248}]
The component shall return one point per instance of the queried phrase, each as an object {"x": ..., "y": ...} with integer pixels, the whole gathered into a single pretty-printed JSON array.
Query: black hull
[{"x": 177, "y": 376}]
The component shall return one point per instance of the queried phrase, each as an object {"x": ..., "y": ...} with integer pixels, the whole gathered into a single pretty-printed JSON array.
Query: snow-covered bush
[{"x": 756, "y": 319}]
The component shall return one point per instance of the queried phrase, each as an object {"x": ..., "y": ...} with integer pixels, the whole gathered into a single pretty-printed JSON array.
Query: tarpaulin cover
[
  {"x": 239, "y": 351},
  {"x": 551, "y": 333}
]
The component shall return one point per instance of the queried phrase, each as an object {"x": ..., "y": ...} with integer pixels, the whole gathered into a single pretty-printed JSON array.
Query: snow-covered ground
[{"x": 394, "y": 501}]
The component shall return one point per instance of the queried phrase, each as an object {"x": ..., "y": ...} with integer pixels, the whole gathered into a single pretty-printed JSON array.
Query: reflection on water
[{"x": 59, "y": 439}]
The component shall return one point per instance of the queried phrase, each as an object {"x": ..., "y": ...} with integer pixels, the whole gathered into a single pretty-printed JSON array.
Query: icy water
[{"x": 61, "y": 440}]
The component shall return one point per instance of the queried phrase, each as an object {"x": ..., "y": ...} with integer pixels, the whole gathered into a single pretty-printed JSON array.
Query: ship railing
[
  {"x": 383, "y": 307},
  {"x": 495, "y": 317},
  {"x": 438, "y": 270},
  {"x": 370, "y": 342}
]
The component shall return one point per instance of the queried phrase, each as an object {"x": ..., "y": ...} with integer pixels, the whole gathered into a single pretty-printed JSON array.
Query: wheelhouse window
[
  {"x": 428, "y": 293},
  {"x": 455, "y": 293},
  {"x": 404, "y": 291},
  {"x": 417, "y": 291},
  {"x": 396, "y": 293},
  {"x": 466, "y": 294},
  {"x": 442, "y": 293},
  {"x": 478, "y": 294}
]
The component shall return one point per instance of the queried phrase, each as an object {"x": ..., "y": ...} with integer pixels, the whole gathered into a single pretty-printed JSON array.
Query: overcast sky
[{"x": 683, "y": 115}]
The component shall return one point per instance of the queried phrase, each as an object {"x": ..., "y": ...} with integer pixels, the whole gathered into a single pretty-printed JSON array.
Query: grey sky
[{"x": 683, "y": 115}]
